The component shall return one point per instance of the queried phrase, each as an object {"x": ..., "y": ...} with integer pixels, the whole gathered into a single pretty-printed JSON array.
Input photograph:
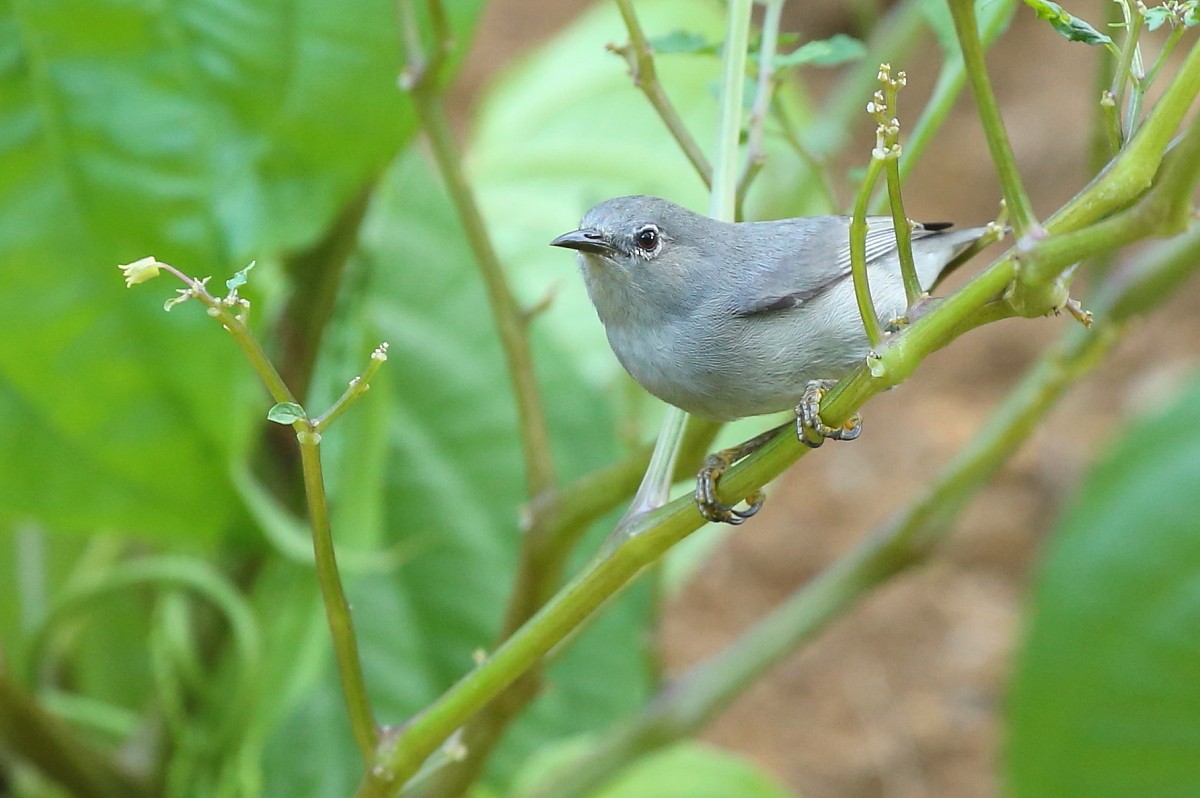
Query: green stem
[
  {"x": 1132, "y": 172},
  {"x": 242, "y": 336},
  {"x": 31, "y": 735},
  {"x": 337, "y": 608},
  {"x": 858, "y": 253},
  {"x": 737, "y": 38},
  {"x": 1125, "y": 76},
  {"x": 358, "y": 386},
  {"x": 640, "y": 57},
  {"x": 908, "y": 269},
  {"x": 1164, "y": 55},
  {"x": 1024, "y": 221},
  {"x": 950, "y": 82},
  {"x": 514, "y": 335},
  {"x": 765, "y": 90}
]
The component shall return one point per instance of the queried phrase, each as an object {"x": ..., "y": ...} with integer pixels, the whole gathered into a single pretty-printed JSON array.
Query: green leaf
[
  {"x": 286, "y": 413},
  {"x": 693, "y": 770},
  {"x": 835, "y": 50},
  {"x": 1104, "y": 702},
  {"x": 1155, "y": 17},
  {"x": 1070, "y": 27},
  {"x": 682, "y": 41},
  {"x": 684, "y": 770},
  {"x": 239, "y": 278}
]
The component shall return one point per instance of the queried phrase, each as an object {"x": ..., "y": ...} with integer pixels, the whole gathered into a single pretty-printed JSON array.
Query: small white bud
[{"x": 140, "y": 270}]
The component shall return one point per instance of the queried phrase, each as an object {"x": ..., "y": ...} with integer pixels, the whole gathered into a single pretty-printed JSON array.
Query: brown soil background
[{"x": 903, "y": 697}]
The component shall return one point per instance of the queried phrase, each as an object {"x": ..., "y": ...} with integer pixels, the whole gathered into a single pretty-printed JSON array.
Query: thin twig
[
  {"x": 764, "y": 94},
  {"x": 640, "y": 57},
  {"x": 337, "y": 608},
  {"x": 535, "y": 579},
  {"x": 421, "y": 80},
  {"x": 965, "y": 25},
  {"x": 900, "y": 224}
]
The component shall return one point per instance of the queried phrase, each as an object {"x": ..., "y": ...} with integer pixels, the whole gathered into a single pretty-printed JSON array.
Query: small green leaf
[
  {"x": 837, "y": 49},
  {"x": 1069, "y": 27},
  {"x": 286, "y": 413},
  {"x": 683, "y": 41},
  {"x": 239, "y": 279},
  {"x": 1155, "y": 17}
]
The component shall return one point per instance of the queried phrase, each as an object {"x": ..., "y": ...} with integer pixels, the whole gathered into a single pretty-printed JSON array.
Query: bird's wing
[{"x": 815, "y": 258}]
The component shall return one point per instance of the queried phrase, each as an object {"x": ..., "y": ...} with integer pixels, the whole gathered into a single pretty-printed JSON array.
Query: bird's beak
[{"x": 585, "y": 241}]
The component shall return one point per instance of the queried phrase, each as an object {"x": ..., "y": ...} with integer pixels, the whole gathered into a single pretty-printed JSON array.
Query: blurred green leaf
[
  {"x": 838, "y": 49},
  {"x": 683, "y": 41},
  {"x": 692, "y": 770},
  {"x": 683, "y": 770},
  {"x": 1070, "y": 27},
  {"x": 208, "y": 133},
  {"x": 1105, "y": 701}
]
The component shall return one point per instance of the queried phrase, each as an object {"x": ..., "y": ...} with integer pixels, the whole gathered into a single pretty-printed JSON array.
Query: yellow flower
[{"x": 140, "y": 270}]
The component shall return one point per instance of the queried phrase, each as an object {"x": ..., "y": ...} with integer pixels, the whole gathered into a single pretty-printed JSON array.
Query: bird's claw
[
  {"x": 715, "y": 466},
  {"x": 810, "y": 429}
]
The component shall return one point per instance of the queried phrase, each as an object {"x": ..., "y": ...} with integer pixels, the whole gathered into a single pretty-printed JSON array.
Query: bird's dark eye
[{"x": 647, "y": 237}]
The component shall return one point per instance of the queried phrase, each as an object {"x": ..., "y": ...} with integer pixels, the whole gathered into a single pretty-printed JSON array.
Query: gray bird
[{"x": 727, "y": 320}]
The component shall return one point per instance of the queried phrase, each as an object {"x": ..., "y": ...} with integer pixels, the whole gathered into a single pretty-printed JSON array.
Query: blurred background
[{"x": 214, "y": 134}]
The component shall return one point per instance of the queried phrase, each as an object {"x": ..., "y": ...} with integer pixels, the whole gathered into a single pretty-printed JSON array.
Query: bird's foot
[
  {"x": 715, "y": 466},
  {"x": 810, "y": 429}
]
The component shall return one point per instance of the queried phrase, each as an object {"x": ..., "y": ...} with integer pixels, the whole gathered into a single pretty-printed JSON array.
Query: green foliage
[
  {"x": 684, "y": 770},
  {"x": 838, "y": 49},
  {"x": 1104, "y": 702},
  {"x": 1184, "y": 13},
  {"x": 286, "y": 413},
  {"x": 136, "y": 466},
  {"x": 191, "y": 131},
  {"x": 1070, "y": 27}
]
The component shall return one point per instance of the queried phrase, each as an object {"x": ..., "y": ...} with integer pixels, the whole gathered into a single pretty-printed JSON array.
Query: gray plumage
[{"x": 727, "y": 320}]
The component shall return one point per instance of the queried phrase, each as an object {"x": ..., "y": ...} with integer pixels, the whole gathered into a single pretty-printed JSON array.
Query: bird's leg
[
  {"x": 715, "y": 466},
  {"x": 810, "y": 429}
]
